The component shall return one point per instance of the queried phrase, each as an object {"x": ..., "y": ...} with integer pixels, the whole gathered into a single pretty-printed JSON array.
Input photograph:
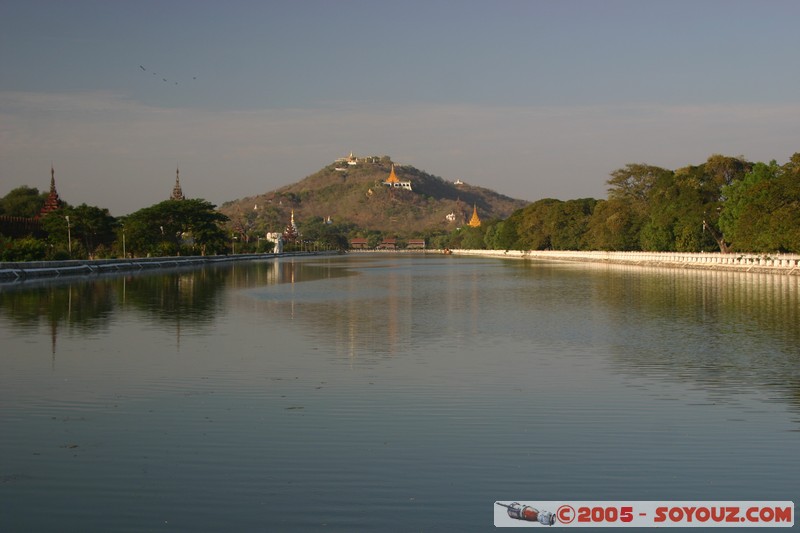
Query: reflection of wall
[{"x": 710, "y": 327}]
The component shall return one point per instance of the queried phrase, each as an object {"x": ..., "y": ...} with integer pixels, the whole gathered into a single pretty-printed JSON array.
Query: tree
[
  {"x": 24, "y": 249},
  {"x": 613, "y": 226},
  {"x": 618, "y": 223},
  {"x": 537, "y": 224},
  {"x": 23, "y": 202},
  {"x": 633, "y": 183},
  {"x": 571, "y": 224},
  {"x": 191, "y": 225},
  {"x": 332, "y": 236},
  {"x": 504, "y": 235},
  {"x": 762, "y": 211},
  {"x": 90, "y": 228},
  {"x": 678, "y": 203}
]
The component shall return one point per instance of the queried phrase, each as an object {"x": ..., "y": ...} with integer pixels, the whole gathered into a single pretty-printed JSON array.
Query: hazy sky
[{"x": 531, "y": 98}]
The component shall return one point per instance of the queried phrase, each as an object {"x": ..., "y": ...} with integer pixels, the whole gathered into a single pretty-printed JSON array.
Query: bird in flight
[{"x": 162, "y": 79}]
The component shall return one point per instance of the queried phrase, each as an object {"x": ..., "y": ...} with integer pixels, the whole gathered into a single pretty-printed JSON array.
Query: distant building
[
  {"x": 177, "y": 192},
  {"x": 416, "y": 244},
  {"x": 394, "y": 182},
  {"x": 388, "y": 244},
  {"x": 351, "y": 160},
  {"x": 359, "y": 243},
  {"x": 474, "y": 221}
]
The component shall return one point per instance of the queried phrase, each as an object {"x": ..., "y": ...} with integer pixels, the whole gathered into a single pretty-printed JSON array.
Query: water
[{"x": 385, "y": 393}]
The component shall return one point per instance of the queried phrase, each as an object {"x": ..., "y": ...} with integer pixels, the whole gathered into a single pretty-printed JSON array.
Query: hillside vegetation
[{"x": 355, "y": 196}]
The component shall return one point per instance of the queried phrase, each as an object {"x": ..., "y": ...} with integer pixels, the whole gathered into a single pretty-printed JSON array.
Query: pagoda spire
[
  {"x": 291, "y": 234},
  {"x": 392, "y": 177},
  {"x": 474, "y": 222},
  {"x": 52, "y": 202},
  {"x": 177, "y": 192}
]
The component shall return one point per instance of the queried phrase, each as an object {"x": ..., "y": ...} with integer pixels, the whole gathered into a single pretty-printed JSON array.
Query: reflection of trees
[
  {"x": 722, "y": 331},
  {"x": 375, "y": 313},
  {"x": 283, "y": 270},
  {"x": 88, "y": 304},
  {"x": 173, "y": 296},
  {"x": 84, "y": 305},
  {"x": 168, "y": 297}
]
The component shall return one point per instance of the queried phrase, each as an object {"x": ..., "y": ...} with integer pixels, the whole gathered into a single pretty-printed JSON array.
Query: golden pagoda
[
  {"x": 394, "y": 182},
  {"x": 474, "y": 222},
  {"x": 392, "y": 179}
]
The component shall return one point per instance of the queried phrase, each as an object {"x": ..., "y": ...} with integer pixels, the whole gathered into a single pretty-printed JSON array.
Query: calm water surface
[{"x": 384, "y": 393}]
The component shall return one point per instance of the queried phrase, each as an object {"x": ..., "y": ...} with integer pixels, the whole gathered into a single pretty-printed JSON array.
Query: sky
[{"x": 533, "y": 99}]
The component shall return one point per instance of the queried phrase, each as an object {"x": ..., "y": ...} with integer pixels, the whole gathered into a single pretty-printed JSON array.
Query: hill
[{"x": 351, "y": 191}]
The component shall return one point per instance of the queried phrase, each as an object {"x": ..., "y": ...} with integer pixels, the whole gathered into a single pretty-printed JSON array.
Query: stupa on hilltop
[{"x": 394, "y": 182}]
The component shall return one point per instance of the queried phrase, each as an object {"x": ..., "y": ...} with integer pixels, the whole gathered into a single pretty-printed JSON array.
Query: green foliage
[
  {"x": 22, "y": 202},
  {"x": 723, "y": 203},
  {"x": 762, "y": 211},
  {"x": 613, "y": 226},
  {"x": 357, "y": 196},
  {"x": 191, "y": 226},
  {"x": 320, "y": 235},
  {"x": 89, "y": 229},
  {"x": 24, "y": 249}
]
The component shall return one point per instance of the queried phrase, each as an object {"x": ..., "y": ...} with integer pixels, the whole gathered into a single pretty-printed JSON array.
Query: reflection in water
[
  {"x": 723, "y": 331},
  {"x": 87, "y": 306},
  {"x": 726, "y": 331},
  {"x": 82, "y": 307},
  {"x": 171, "y": 298},
  {"x": 402, "y": 384}
]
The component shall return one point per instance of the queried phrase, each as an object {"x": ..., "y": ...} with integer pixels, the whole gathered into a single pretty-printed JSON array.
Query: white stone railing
[{"x": 783, "y": 263}]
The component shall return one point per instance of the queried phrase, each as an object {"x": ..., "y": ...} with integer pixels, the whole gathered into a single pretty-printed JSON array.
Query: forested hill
[{"x": 352, "y": 192}]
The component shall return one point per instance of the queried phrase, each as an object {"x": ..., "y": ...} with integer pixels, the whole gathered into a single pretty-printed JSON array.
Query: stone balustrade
[{"x": 779, "y": 263}]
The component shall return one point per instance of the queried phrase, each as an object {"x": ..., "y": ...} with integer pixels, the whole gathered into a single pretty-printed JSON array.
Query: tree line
[
  {"x": 726, "y": 204},
  {"x": 171, "y": 227}
]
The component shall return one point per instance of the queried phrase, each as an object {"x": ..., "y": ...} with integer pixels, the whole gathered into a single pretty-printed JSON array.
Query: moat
[{"x": 371, "y": 392}]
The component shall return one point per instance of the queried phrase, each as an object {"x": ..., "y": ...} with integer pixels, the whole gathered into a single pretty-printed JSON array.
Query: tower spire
[
  {"x": 392, "y": 177},
  {"x": 52, "y": 202},
  {"x": 177, "y": 192},
  {"x": 474, "y": 222}
]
